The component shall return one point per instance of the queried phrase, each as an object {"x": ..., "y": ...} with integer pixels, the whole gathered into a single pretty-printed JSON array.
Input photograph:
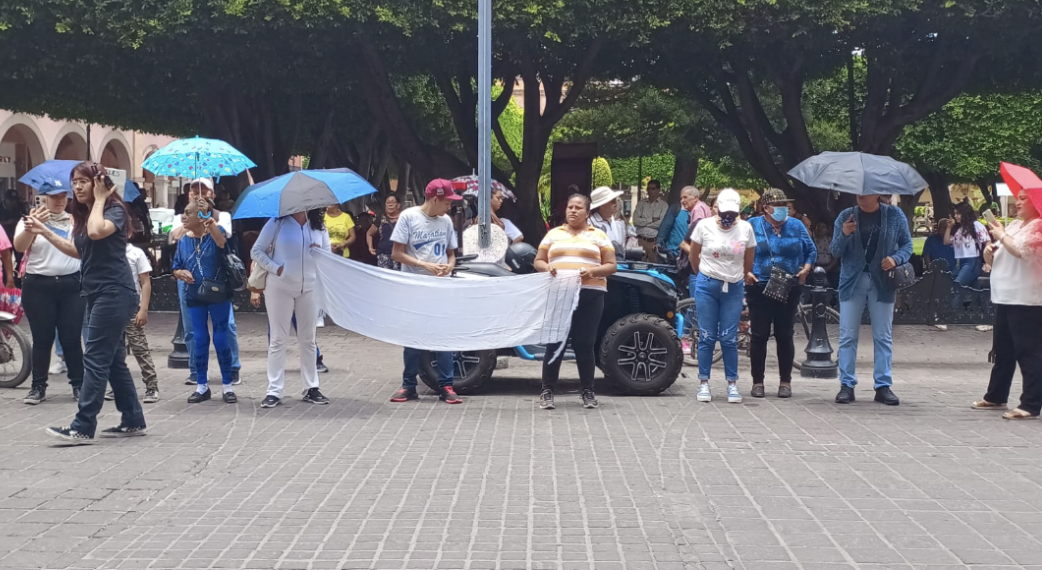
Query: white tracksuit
[{"x": 290, "y": 293}]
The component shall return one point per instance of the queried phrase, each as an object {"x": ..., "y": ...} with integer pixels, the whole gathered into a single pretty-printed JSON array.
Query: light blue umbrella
[
  {"x": 130, "y": 191},
  {"x": 858, "y": 173},
  {"x": 299, "y": 192},
  {"x": 197, "y": 157},
  {"x": 55, "y": 172}
]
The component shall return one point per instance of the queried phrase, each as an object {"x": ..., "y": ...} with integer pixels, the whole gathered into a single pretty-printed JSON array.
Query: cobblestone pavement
[{"x": 642, "y": 483}]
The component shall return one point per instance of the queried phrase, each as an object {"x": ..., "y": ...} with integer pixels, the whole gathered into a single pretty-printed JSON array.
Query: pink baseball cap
[{"x": 441, "y": 188}]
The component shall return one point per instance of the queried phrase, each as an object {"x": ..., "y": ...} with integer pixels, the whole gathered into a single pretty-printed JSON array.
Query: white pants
[{"x": 281, "y": 307}]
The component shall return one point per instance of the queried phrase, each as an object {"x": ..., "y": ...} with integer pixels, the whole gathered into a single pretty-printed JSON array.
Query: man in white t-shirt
[{"x": 425, "y": 244}]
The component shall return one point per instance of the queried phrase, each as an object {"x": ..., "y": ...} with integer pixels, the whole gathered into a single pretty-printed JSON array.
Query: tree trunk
[
  {"x": 942, "y": 197},
  {"x": 907, "y": 205},
  {"x": 685, "y": 173}
]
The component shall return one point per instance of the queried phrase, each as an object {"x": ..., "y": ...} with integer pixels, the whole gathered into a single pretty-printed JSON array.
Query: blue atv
[{"x": 639, "y": 352}]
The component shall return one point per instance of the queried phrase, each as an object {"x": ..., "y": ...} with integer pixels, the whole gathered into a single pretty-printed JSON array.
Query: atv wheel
[
  {"x": 641, "y": 353},
  {"x": 472, "y": 370}
]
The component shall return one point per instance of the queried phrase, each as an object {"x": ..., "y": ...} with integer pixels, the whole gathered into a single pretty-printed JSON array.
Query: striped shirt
[{"x": 567, "y": 251}]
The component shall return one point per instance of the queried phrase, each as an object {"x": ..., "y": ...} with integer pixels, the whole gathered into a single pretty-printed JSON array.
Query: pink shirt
[
  {"x": 700, "y": 212},
  {"x": 5, "y": 244}
]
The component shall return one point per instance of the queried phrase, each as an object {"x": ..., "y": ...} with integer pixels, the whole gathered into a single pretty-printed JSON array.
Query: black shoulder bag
[
  {"x": 210, "y": 291},
  {"x": 780, "y": 285}
]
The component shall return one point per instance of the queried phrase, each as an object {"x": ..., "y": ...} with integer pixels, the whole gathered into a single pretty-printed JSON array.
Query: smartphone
[
  {"x": 39, "y": 201},
  {"x": 990, "y": 216},
  {"x": 98, "y": 170}
]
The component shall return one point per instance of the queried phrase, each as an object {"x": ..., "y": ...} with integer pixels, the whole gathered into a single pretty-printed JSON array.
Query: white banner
[{"x": 444, "y": 313}]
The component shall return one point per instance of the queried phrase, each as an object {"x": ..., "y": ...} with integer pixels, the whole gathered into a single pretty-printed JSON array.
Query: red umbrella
[{"x": 1019, "y": 178}]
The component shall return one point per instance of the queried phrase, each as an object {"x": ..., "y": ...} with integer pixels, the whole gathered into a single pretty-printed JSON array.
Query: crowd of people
[{"x": 82, "y": 277}]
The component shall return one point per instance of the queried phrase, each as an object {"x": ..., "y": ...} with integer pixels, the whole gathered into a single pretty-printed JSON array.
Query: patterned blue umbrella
[{"x": 197, "y": 157}]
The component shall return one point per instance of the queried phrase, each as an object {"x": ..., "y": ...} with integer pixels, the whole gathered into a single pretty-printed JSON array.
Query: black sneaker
[
  {"x": 191, "y": 380},
  {"x": 589, "y": 400},
  {"x": 196, "y": 397},
  {"x": 885, "y": 396},
  {"x": 321, "y": 366},
  {"x": 546, "y": 400},
  {"x": 230, "y": 398},
  {"x": 69, "y": 436},
  {"x": 235, "y": 378},
  {"x": 270, "y": 402},
  {"x": 404, "y": 395},
  {"x": 76, "y": 393},
  {"x": 314, "y": 396},
  {"x": 35, "y": 396},
  {"x": 846, "y": 395},
  {"x": 123, "y": 431}
]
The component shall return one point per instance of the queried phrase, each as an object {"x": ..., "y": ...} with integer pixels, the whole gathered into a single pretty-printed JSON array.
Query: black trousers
[
  {"x": 1017, "y": 340},
  {"x": 764, "y": 314},
  {"x": 585, "y": 321},
  {"x": 49, "y": 303}
]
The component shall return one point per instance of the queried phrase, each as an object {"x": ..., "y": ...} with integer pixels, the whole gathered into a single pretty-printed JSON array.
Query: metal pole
[{"x": 485, "y": 123}]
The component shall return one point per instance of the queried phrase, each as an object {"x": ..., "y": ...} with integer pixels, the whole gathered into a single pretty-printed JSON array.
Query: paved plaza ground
[{"x": 661, "y": 483}]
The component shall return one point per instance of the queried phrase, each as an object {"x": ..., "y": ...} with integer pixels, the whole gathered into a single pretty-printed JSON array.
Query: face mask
[
  {"x": 780, "y": 213},
  {"x": 727, "y": 219}
]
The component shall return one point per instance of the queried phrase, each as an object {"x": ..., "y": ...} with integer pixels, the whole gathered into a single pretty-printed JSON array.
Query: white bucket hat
[{"x": 602, "y": 195}]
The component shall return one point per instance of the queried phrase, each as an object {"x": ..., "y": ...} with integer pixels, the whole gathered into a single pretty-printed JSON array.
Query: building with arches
[{"x": 28, "y": 140}]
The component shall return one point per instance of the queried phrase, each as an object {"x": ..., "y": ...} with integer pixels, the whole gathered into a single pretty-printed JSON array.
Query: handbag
[
  {"x": 233, "y": 266},
  {"x": 210, "y": 291},
  {"x": 258, "y": 275},
  {"x": 780, "y": 285},
  {"x": 901, "y": 276}
]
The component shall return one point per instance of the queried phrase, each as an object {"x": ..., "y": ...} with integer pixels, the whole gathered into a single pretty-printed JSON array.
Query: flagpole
[{"x": 485, "y": 123}]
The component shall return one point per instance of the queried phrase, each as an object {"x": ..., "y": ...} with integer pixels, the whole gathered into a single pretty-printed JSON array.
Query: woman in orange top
[{"x": 576, "y": 246}]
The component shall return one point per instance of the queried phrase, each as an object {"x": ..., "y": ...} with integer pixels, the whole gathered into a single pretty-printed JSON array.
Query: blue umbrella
[
  {"x": 299, "y": 192},
  {"x": 197, "y": 157},
  {"x": 56, "y": 172},
  {"x": 858, "y": 173},
  {"x": 130, "y": 191}
]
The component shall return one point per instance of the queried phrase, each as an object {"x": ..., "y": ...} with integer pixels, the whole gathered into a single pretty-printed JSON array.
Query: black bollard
[
  {"x": 179, "y": 357},
  {"x": 819, "y": 363}
]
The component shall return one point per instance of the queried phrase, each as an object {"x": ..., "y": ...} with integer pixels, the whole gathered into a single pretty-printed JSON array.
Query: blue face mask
[{"x": 780, "y": 213}]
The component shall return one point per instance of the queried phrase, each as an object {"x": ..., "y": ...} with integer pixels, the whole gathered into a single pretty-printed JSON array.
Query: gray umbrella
[{"x": 858, "y": 173}]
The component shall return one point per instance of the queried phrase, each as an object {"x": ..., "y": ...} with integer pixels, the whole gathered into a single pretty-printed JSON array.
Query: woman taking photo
[
  {"x": 577, "y": 246},
  {"x": 785, "y": 255},
  {"x": 290, "y": 291},
  {"x": 197, "y": 263},
  {"x": 51, "y": 293},
  {"x": 382, "y": 235},
  {"x": 870, "y": 240},
  {"x": 100, "y": 229},
  {"x": 1016, "y": 292},
  {"x": 968, "y": 237},
  {"x": 722, "y": 251}
]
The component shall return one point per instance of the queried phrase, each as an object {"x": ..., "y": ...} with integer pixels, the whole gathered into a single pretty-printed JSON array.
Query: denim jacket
[{"x": 895, "y": 241}]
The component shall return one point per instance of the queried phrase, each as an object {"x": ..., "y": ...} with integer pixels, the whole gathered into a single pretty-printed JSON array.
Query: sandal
[
  {"x": 1018, "y": 414},
  {"x": 986, "y": 405}
]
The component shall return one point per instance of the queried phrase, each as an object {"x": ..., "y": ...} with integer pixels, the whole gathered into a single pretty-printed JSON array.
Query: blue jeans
[
  {"x": 186, "y": 324},
  {"x": 219, "y": 315},
  {"x": 104, "y": 363},
  {"x": 882, "y": 316},
  {"x": 719, "y": 313},
  {"x": 969, "y": 271},
  {"x": 412, "y": 368}
]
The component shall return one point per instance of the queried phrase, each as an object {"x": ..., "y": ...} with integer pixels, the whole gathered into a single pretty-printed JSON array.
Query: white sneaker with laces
[
  {"x": 58, "y": 367},
  {"x": 733, "y": 395},
  {"x": 704, "y": 393}
]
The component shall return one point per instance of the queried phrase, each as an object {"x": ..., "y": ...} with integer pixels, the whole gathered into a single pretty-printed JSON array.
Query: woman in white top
[
  {"x": 722, "y": 253},
  {"x": 284, "y": 250},
  {"x": 967, "y": 237},
  {"x": 1016, "y": 292},
  {"x": 51, "y": 293}
]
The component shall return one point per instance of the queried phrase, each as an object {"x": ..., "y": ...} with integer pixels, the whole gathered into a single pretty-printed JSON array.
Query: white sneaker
[
  {"x": 58, "y": 367},
  {"x": 704, "y": 393},
  {"x": 733, "y": 395}
]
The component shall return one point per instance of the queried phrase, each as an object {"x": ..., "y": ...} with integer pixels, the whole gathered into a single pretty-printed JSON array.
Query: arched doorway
[
  {"x": 72, "y": 146},
  {"x": 21, "y": 148},
  {"x": 116, "y": 155}
]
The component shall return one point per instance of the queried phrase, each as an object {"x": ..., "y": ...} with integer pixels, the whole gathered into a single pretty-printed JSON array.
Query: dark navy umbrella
[{"x": 858, "y": 173}]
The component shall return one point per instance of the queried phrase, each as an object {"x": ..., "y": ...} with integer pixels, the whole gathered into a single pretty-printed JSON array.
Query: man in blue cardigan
[{"x": 870, "y": 239}]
